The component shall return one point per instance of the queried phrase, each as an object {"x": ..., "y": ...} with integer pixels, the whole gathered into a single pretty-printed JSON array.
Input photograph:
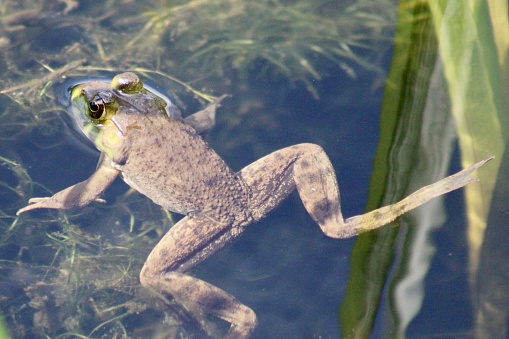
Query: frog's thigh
[
  {"x": 306, "y": 167},
  {"x": 187, "y": 243}
]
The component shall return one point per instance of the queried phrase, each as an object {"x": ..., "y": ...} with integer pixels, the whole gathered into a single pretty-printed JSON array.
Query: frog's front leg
[
  {"x": 204, "y": 120},
  {"x": 307, "y": 168},
  {"x": 80, "y": 194},
  {"x": 190, "y": 241}
]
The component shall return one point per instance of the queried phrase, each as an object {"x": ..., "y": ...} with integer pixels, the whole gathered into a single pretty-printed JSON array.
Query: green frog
[{"x": 146, "y": 141}]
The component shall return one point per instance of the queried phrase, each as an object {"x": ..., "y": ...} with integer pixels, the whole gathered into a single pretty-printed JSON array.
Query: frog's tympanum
[{"x": 145, "y": 140}]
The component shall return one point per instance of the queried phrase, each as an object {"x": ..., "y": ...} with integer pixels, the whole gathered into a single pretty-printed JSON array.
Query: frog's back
[{"x": 171, "y": 164}]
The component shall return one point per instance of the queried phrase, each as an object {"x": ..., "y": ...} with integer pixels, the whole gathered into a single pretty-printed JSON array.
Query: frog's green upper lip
[{"x": 74, "y": 91}]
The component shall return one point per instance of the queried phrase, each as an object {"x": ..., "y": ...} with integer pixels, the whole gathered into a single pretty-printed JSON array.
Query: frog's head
[
  {"x": 104, "y": 110},
  {"x": 94, "y": 109}
]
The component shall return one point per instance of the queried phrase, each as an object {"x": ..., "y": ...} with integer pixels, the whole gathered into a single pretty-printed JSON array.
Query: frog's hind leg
[
  {"x": 190, "y": 241},
  {"x": 307, "y": 167},
  {"x": 317, "y": 187}
]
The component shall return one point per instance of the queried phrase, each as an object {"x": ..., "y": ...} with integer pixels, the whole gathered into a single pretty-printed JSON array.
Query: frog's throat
[{"x": 108, "y": 138}]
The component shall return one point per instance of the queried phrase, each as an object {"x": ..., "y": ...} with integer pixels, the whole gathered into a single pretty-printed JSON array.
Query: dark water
[{"x": 55, "y": 267}]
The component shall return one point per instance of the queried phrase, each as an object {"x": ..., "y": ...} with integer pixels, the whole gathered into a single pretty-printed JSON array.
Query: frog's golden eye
[{"x": 96, "y": 108}]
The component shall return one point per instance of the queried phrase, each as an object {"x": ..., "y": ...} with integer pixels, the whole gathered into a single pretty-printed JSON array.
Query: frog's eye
[{"x": 96, "y": 108}]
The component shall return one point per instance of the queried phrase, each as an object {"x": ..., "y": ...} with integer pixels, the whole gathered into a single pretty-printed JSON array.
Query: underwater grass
[{"x": 75, "y": 273}]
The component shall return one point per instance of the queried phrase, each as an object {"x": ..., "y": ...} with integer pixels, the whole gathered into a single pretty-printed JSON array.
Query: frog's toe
[
  {"x": 35, "y": 203},
  {"x": 32, "y": 201}
]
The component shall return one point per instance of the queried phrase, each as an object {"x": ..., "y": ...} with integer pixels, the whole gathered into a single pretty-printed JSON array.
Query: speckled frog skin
[{"x": 162, "y": 155}]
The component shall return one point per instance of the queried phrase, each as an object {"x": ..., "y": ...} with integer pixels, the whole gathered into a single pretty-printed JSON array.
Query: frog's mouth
[
  {"x": 80, "y": 120},
  {"x": 83, "y": 124}
]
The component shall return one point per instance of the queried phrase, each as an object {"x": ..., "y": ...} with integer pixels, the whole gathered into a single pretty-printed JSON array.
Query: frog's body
[
  {"x": 190, "y": 165},
  {"x": 163, "y": 156}
]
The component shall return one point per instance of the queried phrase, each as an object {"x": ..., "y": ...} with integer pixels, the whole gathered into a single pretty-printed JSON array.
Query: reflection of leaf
[
  {"x": 397, "y": 162},
  {"x": 472, "y": 70},
  {"x": 469, "y": 58},
  {"x": 3, "y": 330},
  {"x": 500, "y": 25},
  {"x": 476, "y": 33},
  {"x": 493, "y": 274}
]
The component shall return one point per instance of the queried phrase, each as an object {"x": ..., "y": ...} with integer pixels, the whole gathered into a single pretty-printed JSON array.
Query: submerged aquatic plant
[
  {"x": 298, "y": 40},
  {"x": 76, "y": 282},
  {"x": 294, "y": 39},
  {"x": 76, "y": 275}
]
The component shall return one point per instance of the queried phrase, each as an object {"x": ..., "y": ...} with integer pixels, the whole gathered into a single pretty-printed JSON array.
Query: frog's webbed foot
[
  {"x": 204, "y": 120},
  {"x": 200, "y": 298},
  {"x": 190, "y": 241},
  {"x": 308, "y": 168},
  {"x": 387, "y": 214}
]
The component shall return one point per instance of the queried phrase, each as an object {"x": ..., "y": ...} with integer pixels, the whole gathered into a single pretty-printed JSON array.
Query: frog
[{"x": 144, "y": 139}]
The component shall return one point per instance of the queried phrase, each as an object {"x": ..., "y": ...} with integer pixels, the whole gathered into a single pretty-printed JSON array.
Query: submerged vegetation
[
  {"x": 198, "y": 40},
  {"x": 75, "y": 273}
]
